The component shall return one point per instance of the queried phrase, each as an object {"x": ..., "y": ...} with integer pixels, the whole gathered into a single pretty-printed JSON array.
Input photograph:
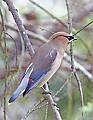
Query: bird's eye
[{"x": 69, "y": 37}]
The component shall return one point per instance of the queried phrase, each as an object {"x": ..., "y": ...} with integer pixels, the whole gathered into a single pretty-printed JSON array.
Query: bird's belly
[
  {"x": 46, "y": 78},
  {"x": 55, "y": 67}
]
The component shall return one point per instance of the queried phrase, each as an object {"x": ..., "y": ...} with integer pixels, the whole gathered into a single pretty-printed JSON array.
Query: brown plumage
[{"x": 44, "y": 63}]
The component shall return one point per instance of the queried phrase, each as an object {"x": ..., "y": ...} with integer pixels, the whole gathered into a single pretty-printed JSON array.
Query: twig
[
  {"x": 83, "y": 28},
  {"x": 69, "y": 11},
  {"x": 6, "y": 64},
  {"x": 61, "y": 88},
  {"x": 52, "y": 104},
  {"x": 37, "y": 27},
  {"x": 20, "y": 26},
  {"x": 78, "y": 66},
  {"x": 35, "y": 107},
  {"x": 46, "y": 112},
  {"x": 72, "y": 55},
  {"x": 46, "y": 11},
  {"x": 29, "y": 33},
  {"x": 49, "y": 98},
  {"x": 16, "y": 49}
]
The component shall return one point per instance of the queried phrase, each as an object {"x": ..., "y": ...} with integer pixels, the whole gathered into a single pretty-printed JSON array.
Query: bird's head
[{"x": 63, "y": 37}]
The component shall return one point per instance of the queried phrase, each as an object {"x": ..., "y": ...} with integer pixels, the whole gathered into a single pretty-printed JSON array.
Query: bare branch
[
  {"x": 35, "y": 107},
  {"x": 52, "y": 104},
  {"x": 72, "y": 55},
  {"x": 6, "y": 64},
  {"x": 29, "y": 33},
  {"x": 61, "y": 88},
  {"x": 83, "y": 28},
  {"x": 80, "y": 67},
  {"x": 20, "y": 26}
]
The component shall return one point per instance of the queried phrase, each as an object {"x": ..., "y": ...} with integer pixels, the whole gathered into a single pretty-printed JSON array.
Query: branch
[
  {"x": 29, "y": 33},
  {"x": 20, "y": 26},
  {"x": 6, "y": 63},
  {"x": 83, "y": 28},
  {"x": 52, "y": 104},
  {"x": 72, "y": 55},
  {"x": 80, "y": 67},
  {"x": 35, "y": 107}
]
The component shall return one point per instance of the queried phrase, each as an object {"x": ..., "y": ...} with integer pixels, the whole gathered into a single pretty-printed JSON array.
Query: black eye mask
[{"x": 70, "y": 37}]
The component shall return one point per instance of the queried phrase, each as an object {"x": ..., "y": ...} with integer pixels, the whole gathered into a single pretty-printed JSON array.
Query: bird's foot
[{"x": 46, "y": 92}]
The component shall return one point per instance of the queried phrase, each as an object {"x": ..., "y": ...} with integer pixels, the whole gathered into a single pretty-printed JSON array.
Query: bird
[{"x": 44, "y": 63}]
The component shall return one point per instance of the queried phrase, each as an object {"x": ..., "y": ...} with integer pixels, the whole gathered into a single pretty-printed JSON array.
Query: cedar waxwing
[{"x": 44, "y": 64}]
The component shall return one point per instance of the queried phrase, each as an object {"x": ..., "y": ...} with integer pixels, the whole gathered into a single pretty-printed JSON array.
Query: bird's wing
[
  {"x": 34, "y": 73},
  {"x": 21, "y": 88},
  {"x": 40, "y": 70}
]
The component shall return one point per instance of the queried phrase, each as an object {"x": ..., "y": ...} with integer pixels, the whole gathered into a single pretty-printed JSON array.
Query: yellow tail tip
[{"x": 9, "y": 103}]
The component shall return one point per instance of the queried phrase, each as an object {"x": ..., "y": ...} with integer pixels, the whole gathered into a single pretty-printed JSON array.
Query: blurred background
[{"x": 40, "y": 26}]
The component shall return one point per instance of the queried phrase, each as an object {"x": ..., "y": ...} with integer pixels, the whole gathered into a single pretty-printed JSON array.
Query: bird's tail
[{"x": 20, "y": 89}]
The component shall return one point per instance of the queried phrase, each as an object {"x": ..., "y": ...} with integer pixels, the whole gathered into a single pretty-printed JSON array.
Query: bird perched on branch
[{"x": 44, "y": 64}]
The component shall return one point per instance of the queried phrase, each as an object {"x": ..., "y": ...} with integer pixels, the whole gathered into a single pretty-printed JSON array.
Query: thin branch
[
  {"x": 52, "y": 104},
  {"x": 16, "y": 48},
  {"x": 78, "y": 66},
  {"x": 20, "y": 26},
  {"x": 83, "y": 28},
  {"x": 35, "y": 107},
  {"x": 61, "y": 88},
  {"x": 46, "y": 11},
  {"x": 72, "y": 54},
  {"x": 29, "y": 33},
  {"x": 46, "y": 112},
  {"x": 6, "y": 64},
  {"x": 37, "y": 27},
  {"x": 69, "y": 11}
]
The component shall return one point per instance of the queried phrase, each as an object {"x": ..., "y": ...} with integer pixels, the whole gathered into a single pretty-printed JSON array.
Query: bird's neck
[{"x": 60, "y": 45}]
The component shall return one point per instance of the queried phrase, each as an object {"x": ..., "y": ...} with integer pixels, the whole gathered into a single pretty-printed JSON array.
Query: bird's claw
[{"x": 46, "y": 92}]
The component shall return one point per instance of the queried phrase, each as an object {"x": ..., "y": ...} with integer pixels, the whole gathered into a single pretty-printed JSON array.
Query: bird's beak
[{"x": 75, "y": 38}]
